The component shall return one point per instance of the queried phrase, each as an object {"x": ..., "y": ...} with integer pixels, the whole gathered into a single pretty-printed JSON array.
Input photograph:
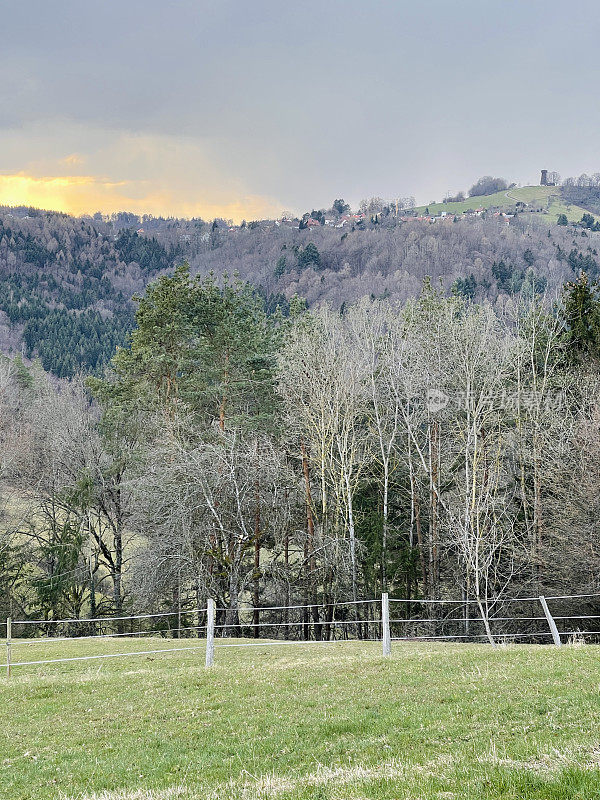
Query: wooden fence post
[
  {"x": 210, "y": 632},
  {"x": 551, "y": 623},
  {"x": 8, "y": 645},
  {"x": 385, "y": 625}
]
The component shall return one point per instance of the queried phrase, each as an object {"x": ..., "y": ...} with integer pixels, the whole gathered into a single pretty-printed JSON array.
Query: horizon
[{"x": 281, "y": 213}]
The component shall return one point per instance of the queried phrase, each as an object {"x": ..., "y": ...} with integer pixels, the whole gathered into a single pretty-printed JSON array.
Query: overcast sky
[{"x": 243, "y": 108}]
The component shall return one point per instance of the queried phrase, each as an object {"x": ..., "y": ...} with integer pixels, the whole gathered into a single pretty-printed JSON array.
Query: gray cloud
[{"x": 304, "y": 102}]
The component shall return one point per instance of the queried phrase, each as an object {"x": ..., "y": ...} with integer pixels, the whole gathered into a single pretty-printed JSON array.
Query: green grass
[
  {"x": 497, "y": 200},
  {"x": 303, "y": 722},
  {"x": 545, "y": 197}
]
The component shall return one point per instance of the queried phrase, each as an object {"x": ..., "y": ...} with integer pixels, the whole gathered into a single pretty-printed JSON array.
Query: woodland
[{"x": 440, "y": 447}]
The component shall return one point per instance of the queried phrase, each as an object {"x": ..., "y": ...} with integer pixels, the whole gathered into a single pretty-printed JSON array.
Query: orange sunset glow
[{"x": 86, "y": 194}]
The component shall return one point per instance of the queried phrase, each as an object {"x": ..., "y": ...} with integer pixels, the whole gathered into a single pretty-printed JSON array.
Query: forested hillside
[{"x": 66, "y": 283}]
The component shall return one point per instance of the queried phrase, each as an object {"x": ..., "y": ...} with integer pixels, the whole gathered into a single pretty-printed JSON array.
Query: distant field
[
  {"x": 303, "y": 722},
  {"x": 546, "y": 197}
]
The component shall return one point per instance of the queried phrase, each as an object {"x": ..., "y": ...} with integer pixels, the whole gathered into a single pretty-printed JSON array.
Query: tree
[
  {"x": 457, "y": 198},
  {"x": 200, "y": 348},
  {"x": 59, "y": 454},
  {"x": 572, "y": 504},
  {"x": 309, "y": 257},
  {"x": 481, "y": 356},
  {"x": 341, "y": 207},
  {"x": 588, "y": 221},
  {"x": 538, "y": 361},
  {"x": 487, "y": 185},
  {"x": 377, "y": 338},
  {"x": 197, "y": 512},
  {"x": 581, "y": 316},
  {"x": 322, "y": 387},
  {"x": 528, "y": 257},
  {"x": 200, "y": 363},
  {"x": 280, "y": 267}
]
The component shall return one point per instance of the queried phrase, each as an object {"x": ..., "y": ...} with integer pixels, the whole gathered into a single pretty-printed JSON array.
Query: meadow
[
  {"x": 547, "y": 198},
  {"x": 302, "y": 722}
]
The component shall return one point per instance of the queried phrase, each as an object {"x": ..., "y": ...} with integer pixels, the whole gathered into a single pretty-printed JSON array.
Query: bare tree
[{"x": 196, "y": 513}]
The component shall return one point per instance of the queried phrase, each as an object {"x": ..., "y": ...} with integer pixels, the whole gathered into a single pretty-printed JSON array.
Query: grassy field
[
  {"x": 546, "y": 197},
  {"x": 318, "y": 722}
]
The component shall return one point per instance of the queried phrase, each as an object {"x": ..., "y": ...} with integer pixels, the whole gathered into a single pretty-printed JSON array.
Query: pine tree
[
  {"x": 581, "y": 314},
  {"x": 198, "y": 347}
]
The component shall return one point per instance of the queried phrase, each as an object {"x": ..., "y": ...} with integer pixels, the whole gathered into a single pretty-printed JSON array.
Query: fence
[{"x": 539, "y": 621}]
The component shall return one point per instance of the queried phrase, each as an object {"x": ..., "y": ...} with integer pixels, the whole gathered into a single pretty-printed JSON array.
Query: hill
[
  {"x": 66, "y": 283},
  {"x": 548, "y": 201}
]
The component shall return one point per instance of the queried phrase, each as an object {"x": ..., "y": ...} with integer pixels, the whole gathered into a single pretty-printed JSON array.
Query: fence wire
[{"x": 442, "y": 620}]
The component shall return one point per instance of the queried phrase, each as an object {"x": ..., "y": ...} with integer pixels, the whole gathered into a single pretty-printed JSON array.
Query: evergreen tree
[
  {"x": 341, "y": 207},
  {"x": 309, "y": 257},
  {"x": 280, "y": 267},
  {"x": 198, "y": 347},
  {"x": 581, "y": 315}
]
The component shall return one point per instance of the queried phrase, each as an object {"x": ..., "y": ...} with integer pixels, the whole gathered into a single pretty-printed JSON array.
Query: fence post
[
  {"x": 551, "y": 623},
  {"x": 210, "y": 632},
  {"x": 8, "y": 645},
  {"x": 385, "y": 625}
]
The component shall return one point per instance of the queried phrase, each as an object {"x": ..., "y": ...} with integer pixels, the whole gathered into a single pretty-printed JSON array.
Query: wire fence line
[
  {"x": 332, "y": 622},
  {"x": 58, "y": 639},
  {"x": 104, "y": 619}
]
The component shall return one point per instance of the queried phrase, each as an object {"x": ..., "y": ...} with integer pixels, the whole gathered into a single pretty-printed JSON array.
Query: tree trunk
[
  {"x": 310, "y": 542},
  {"x": 421, "y": 546},
  {"x": 92, "y": 571},
  {"x": 256, "y": 590},
  {"x": 352, "y": 535},
  {"x": 117, "y": 577},
  {"x": 537, "y": 516},
  {"x": 223, "y": 403},
  {"x": 199, "y": 606},
  {"x": 434, "y": 538},
  {"x": 415, "y": 523},
  {"x": 176, "y": 633},
  {"x": 465, "y": 594},
  {"x": 486, "y": 622},
  {"x": 232, "y": 619},
  {"x": 288, "y": 602},
  {"x": 384, "y": 532}
]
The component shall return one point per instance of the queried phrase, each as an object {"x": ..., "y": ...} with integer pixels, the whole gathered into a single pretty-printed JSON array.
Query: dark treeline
[{"x": 437, "y": 448}]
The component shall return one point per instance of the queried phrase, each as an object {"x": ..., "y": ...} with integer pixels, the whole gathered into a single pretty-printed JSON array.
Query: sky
[{"x": 248, "y": 108}]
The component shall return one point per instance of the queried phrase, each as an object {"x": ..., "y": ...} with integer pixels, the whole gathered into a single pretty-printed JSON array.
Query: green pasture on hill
[{"x": 546, "y": 198}]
